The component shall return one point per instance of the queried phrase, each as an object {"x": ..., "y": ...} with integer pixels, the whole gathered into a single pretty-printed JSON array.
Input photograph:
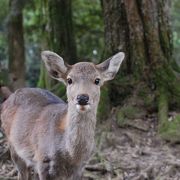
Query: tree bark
[
  {"x": 60, "y": 40},
  {"x": 62, "y": 34},
  {"x": 16, "y": 44},
  {"x": 141, "y": 28}
]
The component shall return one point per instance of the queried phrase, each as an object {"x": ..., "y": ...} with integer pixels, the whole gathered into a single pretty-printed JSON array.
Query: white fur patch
[{"x": 83, "y": 109}]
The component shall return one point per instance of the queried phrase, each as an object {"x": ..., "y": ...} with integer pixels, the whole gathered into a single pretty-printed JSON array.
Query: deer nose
[{"x": 82, "y": 99}]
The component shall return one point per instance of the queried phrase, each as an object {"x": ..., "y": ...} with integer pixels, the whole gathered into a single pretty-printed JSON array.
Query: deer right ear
[
  {"x": 55, "y": 65},
  {"x": 110, "y": 67}
]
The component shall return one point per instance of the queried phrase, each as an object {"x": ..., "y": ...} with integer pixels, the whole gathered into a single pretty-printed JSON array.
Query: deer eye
[
  {"x": 69, "y": 81},
  {"x": 97, "y": 81}
]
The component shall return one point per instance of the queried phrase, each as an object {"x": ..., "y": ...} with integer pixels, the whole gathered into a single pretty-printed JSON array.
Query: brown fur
[
  {"x": 9, "y": 114},
  {"x": 63, "y": 123}
]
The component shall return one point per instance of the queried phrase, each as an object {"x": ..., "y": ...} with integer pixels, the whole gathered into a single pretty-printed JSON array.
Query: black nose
[{"x": 82, "y": 99}]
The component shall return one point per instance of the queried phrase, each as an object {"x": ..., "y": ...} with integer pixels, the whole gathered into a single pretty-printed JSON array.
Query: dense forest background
[{"x": 146, "y": 91}]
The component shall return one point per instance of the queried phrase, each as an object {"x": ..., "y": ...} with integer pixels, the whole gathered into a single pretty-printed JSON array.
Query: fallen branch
[
  {"x": 7, "y": 178},
  {"x": 97, "y": 167}
]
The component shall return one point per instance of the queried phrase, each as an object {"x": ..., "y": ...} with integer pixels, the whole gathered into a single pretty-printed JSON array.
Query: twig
[{"x": 7, "y": 178}]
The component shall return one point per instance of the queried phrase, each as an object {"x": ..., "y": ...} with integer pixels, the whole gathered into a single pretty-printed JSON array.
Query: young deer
[{"x": 45, "y": 134}]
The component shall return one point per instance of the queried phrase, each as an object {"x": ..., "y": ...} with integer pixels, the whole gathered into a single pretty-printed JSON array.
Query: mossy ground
[
  {"x": 129, "y": 113},
  {"x": 170, "y": 130},
  {"x": 136, "y": 105}
]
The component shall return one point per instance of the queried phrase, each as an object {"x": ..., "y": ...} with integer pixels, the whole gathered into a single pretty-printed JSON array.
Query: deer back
[{"x": 29, "y": 115}]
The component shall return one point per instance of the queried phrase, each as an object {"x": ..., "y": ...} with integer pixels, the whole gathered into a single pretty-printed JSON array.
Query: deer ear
[
  {"x": 55, "y": 65},
  {"x": 110, "y": 67}
]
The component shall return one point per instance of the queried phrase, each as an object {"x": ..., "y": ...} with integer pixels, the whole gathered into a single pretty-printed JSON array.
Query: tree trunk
[
  {"x": 16, "y": 44},
  {"x": 141, "y": 29},
  {"x": 61, "y": 40},
  {"x": 61, "y": 34}
]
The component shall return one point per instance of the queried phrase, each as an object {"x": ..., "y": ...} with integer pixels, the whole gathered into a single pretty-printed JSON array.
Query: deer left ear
[
  {"x": 110, "y": 67},
  {"x": 55, "y": 65}
]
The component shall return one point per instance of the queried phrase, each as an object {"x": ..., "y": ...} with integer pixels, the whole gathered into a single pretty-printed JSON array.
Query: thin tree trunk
[
  {"x": 60, "y": 40},
  {"x": 62, "y": 34},
  {"x": 16, "y": 44}
]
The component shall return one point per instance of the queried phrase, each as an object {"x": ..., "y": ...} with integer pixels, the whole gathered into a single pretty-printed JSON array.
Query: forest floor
[{"x": 134, "y": 152}]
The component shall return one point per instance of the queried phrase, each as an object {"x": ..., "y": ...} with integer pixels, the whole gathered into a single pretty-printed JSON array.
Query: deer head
[{"x": 83, "y": 79}]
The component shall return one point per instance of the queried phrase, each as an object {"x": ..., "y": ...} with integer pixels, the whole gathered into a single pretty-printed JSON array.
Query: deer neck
[{"x": 80, "y": 132}]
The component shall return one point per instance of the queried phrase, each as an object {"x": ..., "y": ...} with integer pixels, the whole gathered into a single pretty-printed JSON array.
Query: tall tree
[
  {"x": 60, "y": 38},
  {"x": 141, "y": 28},
  {"x": 61, "y": 25},
  {"x": 16, "y": 43}
]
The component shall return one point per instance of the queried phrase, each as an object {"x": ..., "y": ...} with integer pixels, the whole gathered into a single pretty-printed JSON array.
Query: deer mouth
[{"x": 83, "y": 108}]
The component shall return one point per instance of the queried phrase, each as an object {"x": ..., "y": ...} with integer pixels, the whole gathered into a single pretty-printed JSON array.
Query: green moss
[
  {"x": 142, "y": 93},
  {"x": 44, "y": 79},
  {"x": 162, "y": 110},
  {"x": 148, "y": 101},
  {"x": 168, "y": 130},
  {"x": 129, "y": 113},
  {"x": 121, "y": 119},
  {"x": 171, "y": 132},
  {"x": 167, "y": 86},
  {"x": 4, "y": 78},
  {"x": 146, "y": 96},
  {"x": 104, "y": 106},
  {"x": 132, "y": 112}
]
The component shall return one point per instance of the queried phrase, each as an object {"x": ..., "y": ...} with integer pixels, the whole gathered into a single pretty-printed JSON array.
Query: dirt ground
[{"x": 134, "y": 152}]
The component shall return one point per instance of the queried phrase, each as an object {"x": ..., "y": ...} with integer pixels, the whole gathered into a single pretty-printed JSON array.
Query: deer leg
[
  {"x": 77, "y": 174},
  {"x": 47, "y": 170},
  {"x": 24, "y": 172},
  {"x": 35, "y": 177},
  {"x": 43, "y": 171},
  {"x": 77, "y": 177}
]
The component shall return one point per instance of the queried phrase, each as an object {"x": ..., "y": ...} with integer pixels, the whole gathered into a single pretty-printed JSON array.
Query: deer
[{"x": 47, "y": 136}]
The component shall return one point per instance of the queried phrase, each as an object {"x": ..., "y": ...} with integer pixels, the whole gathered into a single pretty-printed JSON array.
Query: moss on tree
[{"x": 104, "y": 104}]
